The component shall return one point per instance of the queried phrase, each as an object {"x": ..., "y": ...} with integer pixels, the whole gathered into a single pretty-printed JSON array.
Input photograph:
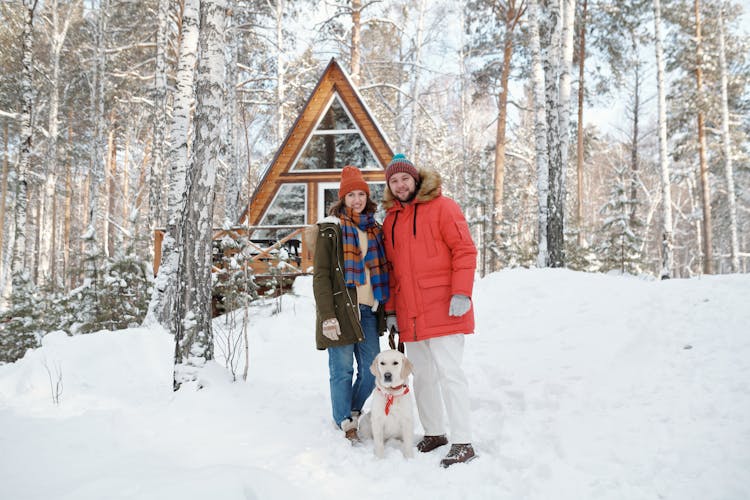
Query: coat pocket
[{"x": 436, "y": 297}]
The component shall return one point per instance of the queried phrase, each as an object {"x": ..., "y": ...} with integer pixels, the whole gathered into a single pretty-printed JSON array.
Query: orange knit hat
[{"x": 351, "y": 180}]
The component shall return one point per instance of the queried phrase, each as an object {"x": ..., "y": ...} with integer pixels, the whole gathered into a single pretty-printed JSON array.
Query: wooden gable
[{"x": 334, "y": 81}]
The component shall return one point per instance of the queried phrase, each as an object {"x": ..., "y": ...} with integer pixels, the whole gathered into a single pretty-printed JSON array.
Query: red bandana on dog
[{"x": 390, "y": 397}]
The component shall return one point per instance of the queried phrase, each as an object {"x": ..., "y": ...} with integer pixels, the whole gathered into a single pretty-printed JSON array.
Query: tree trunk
[
  {"x": 125, "y": 206},
  {"x": 109, "y": 179},
  {"x": 417, "y": 73},
  {"x": 4, "y": 195},
  {"x": 47, "y": 247},
  {"x": 280, "y": 73},
  {"x": 355, "y": 52},
  {"x": 192, "y": 322},
  {"x": 68, "y": 205},
  {"x": 551, "y": 29},
  {"x": 540, "y": 134},
  {"x": 705, "y": 186},
  {"x": 511, "y": 20},
  {"x": 156, "y": 179},
  {"x": 161, "y": 307},
  {"x": 20, "y": 274},
  {"x": 557, "y": 181},
  {"x": 50, "y": 168},
  {"x": 233, "y": 183},
  {"x": 727, "y": 146},
  {"x": 36, "y": 210},
  {"x": 97, "y": 163},
  {"x": 666, "y": 196},
  {"x": 579, "y": 135},
  {"x": 635, "y": 143}
]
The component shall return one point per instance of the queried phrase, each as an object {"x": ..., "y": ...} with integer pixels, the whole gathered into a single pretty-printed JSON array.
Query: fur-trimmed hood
[
  {"x": 429, "y": 189},
  {"x": 329, "y": 219}
]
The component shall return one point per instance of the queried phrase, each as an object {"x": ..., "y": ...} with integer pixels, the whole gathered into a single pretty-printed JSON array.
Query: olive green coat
[{"x": 333, "y": 299}]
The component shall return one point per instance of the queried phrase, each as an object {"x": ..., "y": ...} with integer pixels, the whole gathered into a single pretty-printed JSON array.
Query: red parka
[{"x": 433, "y": 256}]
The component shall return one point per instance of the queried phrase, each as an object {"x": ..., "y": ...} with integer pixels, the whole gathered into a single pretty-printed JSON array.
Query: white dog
[{"x": 391, "y": 411}]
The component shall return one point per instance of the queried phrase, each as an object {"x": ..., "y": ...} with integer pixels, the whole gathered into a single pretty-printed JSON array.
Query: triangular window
[
  {"x": 335, "y": 143},
  {"x": 287, "y": 209}
]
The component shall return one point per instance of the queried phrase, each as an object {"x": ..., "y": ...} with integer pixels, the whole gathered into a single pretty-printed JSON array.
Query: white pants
[{"x": 437, "y": 369}]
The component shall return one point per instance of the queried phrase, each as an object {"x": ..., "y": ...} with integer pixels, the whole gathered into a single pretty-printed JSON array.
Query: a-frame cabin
[{"x": 335, "y": 128}]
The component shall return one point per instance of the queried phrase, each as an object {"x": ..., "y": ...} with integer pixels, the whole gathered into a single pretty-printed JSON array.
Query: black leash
[{"x": 392, "y": 340}]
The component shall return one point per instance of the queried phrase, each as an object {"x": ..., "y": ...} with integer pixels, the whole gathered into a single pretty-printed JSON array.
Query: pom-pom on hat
[
  {"x": 399, "y": 163},
  {"x": 352, "y": 180}
]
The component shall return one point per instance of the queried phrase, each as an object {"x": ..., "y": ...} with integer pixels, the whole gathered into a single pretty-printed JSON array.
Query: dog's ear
[
  {"x": 374, "y": 367},
  {"x": 406, "y": 369}
]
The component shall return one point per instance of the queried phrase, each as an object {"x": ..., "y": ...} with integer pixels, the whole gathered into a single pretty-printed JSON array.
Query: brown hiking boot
[
  {"x": 349, "y": 426},
  {"x": 352, "y": 436},
  {"x": 429, "y": 443},
  {"x": 459, "y": 454}
]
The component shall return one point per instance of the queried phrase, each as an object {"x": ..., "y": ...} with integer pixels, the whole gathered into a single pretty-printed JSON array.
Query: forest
[{"x": 595, "y": 135}]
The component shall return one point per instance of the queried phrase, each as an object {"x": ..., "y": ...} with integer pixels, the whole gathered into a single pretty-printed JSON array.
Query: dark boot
[
  {"x": 429, "y": 443},
  {"x": 459, "y": 454}
]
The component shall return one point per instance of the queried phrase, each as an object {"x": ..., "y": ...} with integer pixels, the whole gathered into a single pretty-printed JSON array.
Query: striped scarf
[{"x": 354, "y": 270}]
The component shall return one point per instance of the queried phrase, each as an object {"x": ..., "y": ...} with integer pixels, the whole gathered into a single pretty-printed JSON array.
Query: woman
[{"x": 350, "y": 282}]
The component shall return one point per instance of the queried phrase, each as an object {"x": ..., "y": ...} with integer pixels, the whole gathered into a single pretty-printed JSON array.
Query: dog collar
[{"x": 389, "y": 396}]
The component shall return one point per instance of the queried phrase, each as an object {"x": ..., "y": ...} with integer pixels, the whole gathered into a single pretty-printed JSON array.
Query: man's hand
[
  {"x": 331, "y": 329},
  {"x": 460, "y": 305},
  {"x": 391, "y": 322}
]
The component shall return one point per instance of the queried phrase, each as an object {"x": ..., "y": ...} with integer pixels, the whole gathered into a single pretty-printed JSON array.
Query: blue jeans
[{"x": 345, "y": 396}]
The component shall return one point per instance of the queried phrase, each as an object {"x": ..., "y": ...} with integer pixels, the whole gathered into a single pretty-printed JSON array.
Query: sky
[{"x": 582, "y": 386}]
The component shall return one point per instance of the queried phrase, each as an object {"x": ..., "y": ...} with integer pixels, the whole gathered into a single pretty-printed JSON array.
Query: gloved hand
[
  {"x": 391, "y": 322},
  {"x": 331, "y": 329},
  {"x": 460, "y": 305}
]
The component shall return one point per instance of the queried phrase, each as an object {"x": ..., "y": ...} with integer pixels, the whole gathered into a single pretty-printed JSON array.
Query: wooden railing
[{"x": 260, "y": 254}]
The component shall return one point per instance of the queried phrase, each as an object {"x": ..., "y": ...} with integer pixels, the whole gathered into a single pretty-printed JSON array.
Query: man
[{"x": 428, "y": 243}]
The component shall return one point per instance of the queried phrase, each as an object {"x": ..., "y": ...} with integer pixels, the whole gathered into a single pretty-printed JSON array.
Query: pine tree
[{"x": 620, "y": 245}]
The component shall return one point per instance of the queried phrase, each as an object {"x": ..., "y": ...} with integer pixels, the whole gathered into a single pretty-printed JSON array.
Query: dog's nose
[{"x": 387, "y": 376}]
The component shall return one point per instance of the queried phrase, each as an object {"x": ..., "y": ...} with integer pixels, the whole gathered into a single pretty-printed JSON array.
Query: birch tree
[
  {"x": 558, "y": 83},
  {"x": 57, "y": 32},
  {"x": 579, "y": 131},
  {"x": 97, "y": 159},
  {"x": 554, "y": 25},
  {"x": 165, "y": 286},
  {"x": 704, "y": 181},
  {"x": 159, "y": 116},
  {"x": 280, "y": 72},
  {"x": 727, "y": 147},
  {"x": 20, "y": 275},
  {"x": 234, "y": 175},
  {"x": 540, "y": 134},
  {"x": 667, "y": 243},
  {"x": 192, "y": 322},
  {"x": 3, "y": 201}
]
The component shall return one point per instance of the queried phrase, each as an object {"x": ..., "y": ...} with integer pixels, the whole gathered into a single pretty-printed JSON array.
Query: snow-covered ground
[{"x": 583, "y": 386}]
